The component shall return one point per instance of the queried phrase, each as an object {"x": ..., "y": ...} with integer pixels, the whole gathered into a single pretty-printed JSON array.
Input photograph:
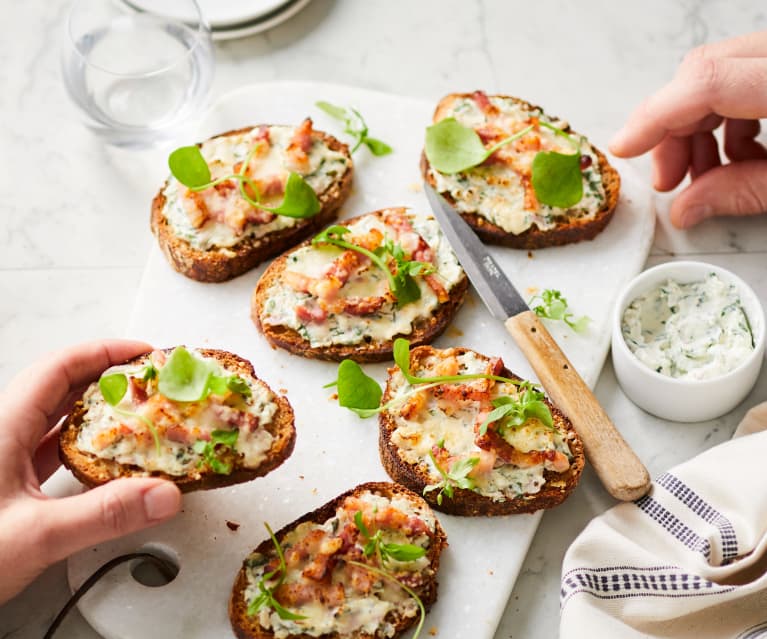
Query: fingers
[
  {"x": 750, "y": 45},
  {"x": 109, "y": 511},
  {"x": 671, "y": 159},
  {"x": 46, "y": 459},
  {"x": 704, "y": 155},
  {"x": 729, "y": 87},
  {"x": 732, "y": 189},
  {"x": 34, "y": 396},
  {"x": 739, "y": 143}
]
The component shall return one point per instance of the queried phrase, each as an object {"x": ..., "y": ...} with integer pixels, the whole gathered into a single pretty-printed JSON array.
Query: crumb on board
[
  {"x": 454, "y": 331},
  {"x": 490, "y": 572},
  {"x": 315, "y": 491},
  {"x": 283, "y": 391},
  {"x": 530, "y": 255},
  {"x": 433, "y": 631},
  {"x": 333, "y": 397},
  {"x": 532, "y": 290},
  {"x": 301, "y": 477},
  {"x": 232, "y": 525},
  {"x": 415, "y": 187}
]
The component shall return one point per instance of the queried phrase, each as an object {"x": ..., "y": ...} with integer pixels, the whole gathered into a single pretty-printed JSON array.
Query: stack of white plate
[{"x": 230, "y": 19}]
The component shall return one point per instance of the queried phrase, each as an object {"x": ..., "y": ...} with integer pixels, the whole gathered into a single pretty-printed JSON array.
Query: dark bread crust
[
  {"x": 424, "y": 331},
  {"x": 567, "y": 230},
  {"x": 221, "y": 264},
  {"x": 94, "y": 471},
  {"x": 466, "y": 502},
  {"x": 246, "y": 627}
]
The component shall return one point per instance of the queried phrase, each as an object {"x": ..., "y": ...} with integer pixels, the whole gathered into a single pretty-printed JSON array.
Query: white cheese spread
[
  {"x": 501, "y": 191},
  {"x": 324, "y": 167},
  {"x": 119, "y": 432},
  {"x": 695, "y": 330},
  {"x": 281, "y": 300}
]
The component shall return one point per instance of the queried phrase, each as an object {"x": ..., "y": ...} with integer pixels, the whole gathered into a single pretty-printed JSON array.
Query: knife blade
[{"x": 620, "y": 470}]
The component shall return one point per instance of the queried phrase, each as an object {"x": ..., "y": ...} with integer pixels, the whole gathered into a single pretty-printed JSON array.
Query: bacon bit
[
  {"x": 531, "y": 201},
  {"x": 447, "y": 366},
  {"x": 177, "y": 434},
  {"x": 272, "y": 186},
  {"x": 304, "y": 548},
  {"x": 414, "y": 405},
  {"x": 138, "y": 390},
  {"x": 259, "y": 216},
  {"x": 311, "y": 314},
  {"x": 435, "y": 285},
  {"x": 300, "y": 593},
  {"x": 487, "y": 134},
  {"x": 324, "y": 560},
  {"x": 225, "y": 188},
  {"x": 529, "y": 142},
  {"x": 363, "y": 305},
  {"x": 158, "y": 358},
  {"x": 361, "y": 580},
  {"x": 233, "y": 526},
  {"x": 484, "y": 104},
  {"x": 196, "y": 209},
  {"x": 241, "y": 420},
  {"x": 300, "y": 144},
  {"x": 485, "y": 465},
  {"x": 298, "y": 281},
  {"x": 104, "y": 438}
]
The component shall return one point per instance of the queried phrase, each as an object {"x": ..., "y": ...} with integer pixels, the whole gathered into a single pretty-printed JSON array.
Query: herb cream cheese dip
[{"x": 695, "y": 330}]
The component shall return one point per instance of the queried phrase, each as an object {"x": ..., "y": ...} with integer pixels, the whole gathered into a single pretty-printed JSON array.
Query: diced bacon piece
[
  {"x": 363, "y": 305},
  {"x": 529, "y": 142},
  {"x": 558, "y": 462},
  {"x": 486, "y": 463},
  {"x": 298, "y": 281},
  {"x": 300, "y": 145},
  {"x": 417, "y": 526},
  {"x": 311, "y": 314},
  {"x": 360, "y": 580},
  {"x": 196, "y": 208},
  {"x": 240, "y": 419},
  {"x": 413, "y": 406},
  {"x": 158, "y": 358},
  {"x": 410, "y": 578},
  {"x": 177, "y": 434},
  {"x": 304, "y": 548},
  {"x": 272, "y": 186},
  {"x": 303, "y": 592},
  {"x": 484, "y": 104},
  {"x": 105, "y": 437},
  {"x": 435, "y": 285},
  {"x": 531, "y": 201},
  {"x": 323, "y": 561},
  {"x": 138, "y": 390},
  {"x": 447, "y": 366},
  {"x": 488, "y": 134}
]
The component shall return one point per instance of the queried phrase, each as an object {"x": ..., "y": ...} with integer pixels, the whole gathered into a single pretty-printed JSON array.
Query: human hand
[
  {"x": 36, "y": 531},
  {"x": 717, "y": 84}
]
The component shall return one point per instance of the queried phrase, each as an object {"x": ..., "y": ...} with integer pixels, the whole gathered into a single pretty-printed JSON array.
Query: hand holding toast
[
  {"x": 35, "y": 530},
  {"x": 720, "y": 84}
]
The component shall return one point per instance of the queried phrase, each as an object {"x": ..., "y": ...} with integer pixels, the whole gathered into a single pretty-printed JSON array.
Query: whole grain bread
[
  {"x": 568, "y": 230},
  {"x": 424, "y": 331},
  {"x": 466, "y": 502},
  {"x": 248, "y": 627},
  {"x": 94, "y": 471},
  {"x": 224, "y": 263}
]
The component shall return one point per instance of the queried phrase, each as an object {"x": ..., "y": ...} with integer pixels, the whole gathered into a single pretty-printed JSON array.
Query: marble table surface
[{"x": 73, "y": 213}]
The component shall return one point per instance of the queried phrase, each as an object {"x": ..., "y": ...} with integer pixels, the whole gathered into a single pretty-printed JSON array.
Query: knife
[{"x": 622, "y": 473}]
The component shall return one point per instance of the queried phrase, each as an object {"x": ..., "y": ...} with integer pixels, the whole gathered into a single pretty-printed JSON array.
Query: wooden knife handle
[{"x": 622, "y": 473}]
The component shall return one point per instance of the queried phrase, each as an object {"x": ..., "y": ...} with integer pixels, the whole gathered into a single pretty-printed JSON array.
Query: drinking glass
[{"x": 137, "y": 70}]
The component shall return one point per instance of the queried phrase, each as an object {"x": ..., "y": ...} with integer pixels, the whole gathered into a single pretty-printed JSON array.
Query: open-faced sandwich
[
  {"x": 486, "y": 444},
  {"x": 245, "y": 196},
  {"x": 200, "y": 418},
  {"x": 363, "y": 565},
  {"x": 357, "y": 286},
  {"x": 518, "y": 176}
]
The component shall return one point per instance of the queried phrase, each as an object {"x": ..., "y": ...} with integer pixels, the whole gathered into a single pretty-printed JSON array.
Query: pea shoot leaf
[
  {"x": 553, "y": 306},
  {"x": 113, "y": 387},
  {"x": 557, "y": 178},
  {"x": 357, "y": 391},
  {"x": 300, "y": 200},
  {"x": 184, "y": 378},
  {"x": 189, "y": 167},
  {"x": 355, "y": 125}
]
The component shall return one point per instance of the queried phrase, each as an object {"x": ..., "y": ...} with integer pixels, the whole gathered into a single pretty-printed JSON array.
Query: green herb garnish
[
  {"x": 186, "y": 378},
  {"x": 113, "y": 388},
  {"x": 222, "y": 442},
  {"x": 374, "y": 545},
  {"x": 391, "y": 578},
  {"x": 514, "y": 412},
  {"x": 557, "y": 180},
  {"x": 266, "y": 593},
  {"x": 356, "y": 391},
  {"x": 554, "y": 306},
  {"x": 354, "y": 125},
  {"x": 456, "y": 477},
  {"x": 189, "y": 167},
  {"x": 401, "y": 284}
]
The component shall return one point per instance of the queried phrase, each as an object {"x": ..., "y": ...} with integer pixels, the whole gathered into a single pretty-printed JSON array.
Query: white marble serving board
[{"x": 336, "y": 450}]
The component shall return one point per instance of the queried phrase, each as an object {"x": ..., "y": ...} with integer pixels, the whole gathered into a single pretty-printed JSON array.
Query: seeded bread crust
[
  {"x": 424, "y": 331},
  {"x": 567, "y": 231},
  {"x": 246, "y": 627},
  {"x": 467, "y": 502},
  {"x": 94, "y": 471},
  {"x": 225, "y": 263}
]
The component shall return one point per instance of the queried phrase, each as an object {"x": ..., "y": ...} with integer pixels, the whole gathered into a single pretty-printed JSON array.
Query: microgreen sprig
[
  {"x": 189, "y": 167},
  {"x": 456, "y": 477},
  {"x": 401, "y": 283},
  {"x": 266, "y": 593},
  {"x": 375, "y": 545},
  {"x": 392, "y": 579},
  {"x": 556, "y": 177},
  {"x": 554, "y": 306},
  {"x": 212, "y": 452},
  {"x": 354, "y": 125},
  {"x": 514, "y": 412},
  {"x": 113, "y": 388},
  {"x": 186, "y": 378}
]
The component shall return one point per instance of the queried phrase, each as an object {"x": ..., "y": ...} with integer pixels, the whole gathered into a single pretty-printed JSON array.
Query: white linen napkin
[{"x": 687, "y": 561}]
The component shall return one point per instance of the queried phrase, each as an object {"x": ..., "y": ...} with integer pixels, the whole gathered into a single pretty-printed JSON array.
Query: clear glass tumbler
[{"x": 137, "y": 70}]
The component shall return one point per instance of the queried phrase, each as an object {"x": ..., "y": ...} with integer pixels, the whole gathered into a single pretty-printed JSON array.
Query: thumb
[
  {"x": 112, "y": 510},
  {"x": 739, "y": 188}
]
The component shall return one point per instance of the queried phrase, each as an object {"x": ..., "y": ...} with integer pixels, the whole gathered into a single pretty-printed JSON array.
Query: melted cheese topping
[
  {"x": 281, "y": 301},
  {"x": 109, "y": 433},
  {"x": 324, "y": 167},
  {"x": 356, "y": 602},
  {"x": 450, "y": 424},
  {"x": 501, "y": 191}
]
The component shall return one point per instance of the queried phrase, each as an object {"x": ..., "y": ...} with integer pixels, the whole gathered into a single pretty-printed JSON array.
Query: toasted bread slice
[
  {"x": 337, "y": 598},
  {"x": 518, "y": 469},
  {"x": 308, "y": 325},
  {"x": 98, "y": 443},
  {"x": 192, "y": 242},
  {"x": 497, "y": 198}
]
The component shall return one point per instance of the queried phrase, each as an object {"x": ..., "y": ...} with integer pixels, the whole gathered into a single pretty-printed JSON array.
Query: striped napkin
[{"x": 687, "y": 561}]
